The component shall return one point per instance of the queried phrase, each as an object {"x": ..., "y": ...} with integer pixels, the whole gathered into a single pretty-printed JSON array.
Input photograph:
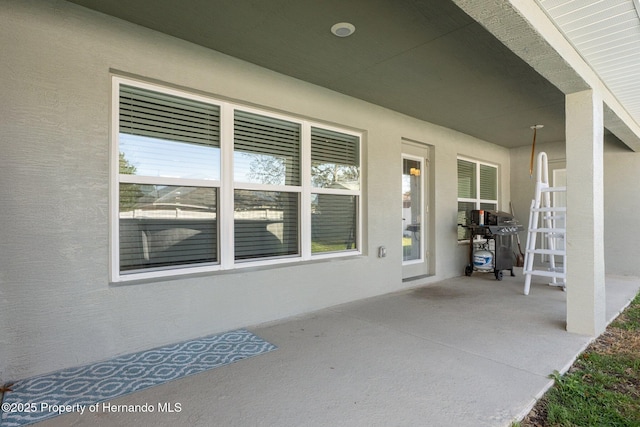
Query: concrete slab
[{"x": 465, "y": 352}]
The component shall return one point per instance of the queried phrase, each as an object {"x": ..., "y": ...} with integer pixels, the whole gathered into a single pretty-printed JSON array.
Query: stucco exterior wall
[
  {"x": 621, "y": 208},
  {"x": 57, "y": 307}
]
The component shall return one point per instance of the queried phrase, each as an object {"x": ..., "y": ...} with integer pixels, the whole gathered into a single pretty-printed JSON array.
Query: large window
[
  {"x": 204, "y": 185},
  {"x": 477, "y": 189}
]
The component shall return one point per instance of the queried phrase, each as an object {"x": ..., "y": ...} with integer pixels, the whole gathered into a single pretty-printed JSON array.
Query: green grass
[
  {"x": 630, "y": 319},
  {"x": 327, "y": 247},
  {"x": 598, "y": 393},
  {"x": 603, "y": 387}
]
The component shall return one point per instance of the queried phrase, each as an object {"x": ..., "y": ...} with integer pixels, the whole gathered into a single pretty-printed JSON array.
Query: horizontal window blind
[
  {"x": 488, "y": 206},
  {"x": 158, "y": 115},
  {"x": 167, "y": 226},
  {"x": 266, "y": 150},
  {"x": 464, "y": 215},
  {"x": 335, "y": 159},
  {"x": 488, "y": 182},
  {"x": 167, "y": 136},
  {"x": 265, "y": 224},
  {"x": 466, "y": 179},
  {"x": 333, "y": 223},
  {"x": 333, "y": 147}
]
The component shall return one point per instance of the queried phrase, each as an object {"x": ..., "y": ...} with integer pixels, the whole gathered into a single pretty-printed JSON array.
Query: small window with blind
[
  {"x": 477, "y": 189},
  {"x": 335, "y": 178},
  {"x": 205, "y": 185}
]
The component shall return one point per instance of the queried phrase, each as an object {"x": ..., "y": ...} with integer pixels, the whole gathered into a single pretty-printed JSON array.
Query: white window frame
[
  {"x": 226, "y": 187},
  {"x": 320, "y": 190},
  {"x": 477, "y": 200}
]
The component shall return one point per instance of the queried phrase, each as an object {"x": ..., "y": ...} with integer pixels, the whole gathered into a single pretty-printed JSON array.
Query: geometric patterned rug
[{"x": 77, "y": 389}]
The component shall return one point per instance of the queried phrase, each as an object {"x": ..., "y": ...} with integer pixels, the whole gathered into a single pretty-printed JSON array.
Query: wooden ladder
[{"x": 548, "y": 227}]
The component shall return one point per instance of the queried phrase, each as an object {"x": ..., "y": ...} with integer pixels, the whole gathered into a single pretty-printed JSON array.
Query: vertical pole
[{"x": 585, "y": 209}]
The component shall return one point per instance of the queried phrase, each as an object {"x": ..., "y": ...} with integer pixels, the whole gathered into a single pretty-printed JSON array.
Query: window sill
[{"x": 213, "y": 271}]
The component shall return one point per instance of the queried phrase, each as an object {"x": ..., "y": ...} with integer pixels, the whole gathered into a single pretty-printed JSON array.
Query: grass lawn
[
  {"x": 602, "y": 388},
  {"x": 327, "y": 247}
]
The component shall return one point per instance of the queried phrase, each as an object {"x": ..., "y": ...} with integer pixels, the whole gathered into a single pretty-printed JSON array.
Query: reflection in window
[
  {"x": 411, "y": 209},
  {"x": 265, "y": 224},
  {"x": 266, "y": 150},
  {"x": 164, "y": 135},
  {"x": 333, "y": 222},
  {"x": 167, "y": 225},
  {"x": 146, "y": 156},
  {"x": 335, "y": 160}
]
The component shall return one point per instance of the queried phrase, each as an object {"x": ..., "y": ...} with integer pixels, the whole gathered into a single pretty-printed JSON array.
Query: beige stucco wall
[
  {"x": 57, "y": 307},
  {"x": 621, "y": 208}
]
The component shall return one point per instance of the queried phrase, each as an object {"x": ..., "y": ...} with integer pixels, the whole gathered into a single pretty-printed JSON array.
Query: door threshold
[{"x": 412, "y": 278}]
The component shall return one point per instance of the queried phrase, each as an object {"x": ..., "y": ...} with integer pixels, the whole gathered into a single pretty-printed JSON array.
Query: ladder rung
[
  {"x": 547, "y": 252},
  {"x": 545, "y": 273},
  {"x": 552, "y": 189},
  {"x": 549, "y": 230}
]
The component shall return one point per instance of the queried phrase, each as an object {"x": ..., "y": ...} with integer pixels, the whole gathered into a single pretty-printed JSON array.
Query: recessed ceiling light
[{"x": 343, "y": 29}]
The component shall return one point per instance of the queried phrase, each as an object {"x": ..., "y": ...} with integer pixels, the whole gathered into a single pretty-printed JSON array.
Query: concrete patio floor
[{"x": 462, "y": 352}]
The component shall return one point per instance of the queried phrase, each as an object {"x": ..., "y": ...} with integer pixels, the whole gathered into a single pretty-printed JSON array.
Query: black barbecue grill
[{"x": 499, "y": 227}]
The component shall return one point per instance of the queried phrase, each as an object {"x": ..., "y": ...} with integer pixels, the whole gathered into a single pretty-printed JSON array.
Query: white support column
[{"x": 585, "y": 210}]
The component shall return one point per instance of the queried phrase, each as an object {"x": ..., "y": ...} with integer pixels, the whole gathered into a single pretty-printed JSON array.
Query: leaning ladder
[{"x": 549, "y": 229}]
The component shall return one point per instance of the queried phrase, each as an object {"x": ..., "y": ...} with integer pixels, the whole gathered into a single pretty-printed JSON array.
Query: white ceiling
[{"x": 607, "y": 35}]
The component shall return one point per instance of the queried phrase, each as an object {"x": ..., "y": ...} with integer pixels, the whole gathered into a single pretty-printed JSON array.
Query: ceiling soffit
[{"x": 426, "y": 58}]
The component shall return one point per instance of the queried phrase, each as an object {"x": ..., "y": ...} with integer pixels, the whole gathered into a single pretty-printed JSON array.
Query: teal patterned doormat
[{"x": 70, "y": 390}]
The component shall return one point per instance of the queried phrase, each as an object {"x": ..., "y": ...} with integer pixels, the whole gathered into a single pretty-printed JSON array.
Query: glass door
[
  {"x": 412, "y": 209},
  {"x": 416, "y": 191}
]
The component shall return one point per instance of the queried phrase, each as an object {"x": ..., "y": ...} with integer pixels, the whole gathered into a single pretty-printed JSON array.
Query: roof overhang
[
  {"x": 487, "y": 69},
  {"x": 528, "y": 31}
]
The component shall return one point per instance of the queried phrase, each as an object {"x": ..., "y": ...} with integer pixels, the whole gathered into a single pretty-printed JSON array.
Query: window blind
[
  {"x": 266, "y": 150},
  {"x": 265, "y": 224},
  {"x": 158, "y": 115},
  {"x": 464, "y": 213},
  {"x": 488, "y": 182},
  {"x": 333, "y": 147},
  {"x": 466, "y": 179},
  {"x": 333, "y": 223},
  {"x": 335, "y": 159},
  {"x": 167, "y": 226}
]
